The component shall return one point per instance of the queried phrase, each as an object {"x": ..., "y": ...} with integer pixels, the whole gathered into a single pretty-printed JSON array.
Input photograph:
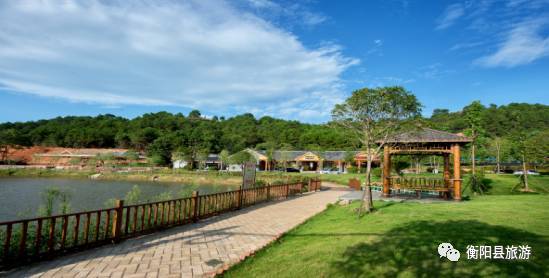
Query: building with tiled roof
[{"x": 310, "y": 160}]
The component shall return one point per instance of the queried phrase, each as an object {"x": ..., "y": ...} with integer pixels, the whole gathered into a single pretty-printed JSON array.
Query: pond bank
[
  {"x": 187, "y": 177},
  {"x": 160, "y": 175}
]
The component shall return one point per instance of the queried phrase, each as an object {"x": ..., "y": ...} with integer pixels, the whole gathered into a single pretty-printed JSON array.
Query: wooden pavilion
[{"x": 425, "y": 141}]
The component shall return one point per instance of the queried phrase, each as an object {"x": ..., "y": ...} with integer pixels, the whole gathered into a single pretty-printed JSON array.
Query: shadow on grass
[{"x": 411, "y": 250}]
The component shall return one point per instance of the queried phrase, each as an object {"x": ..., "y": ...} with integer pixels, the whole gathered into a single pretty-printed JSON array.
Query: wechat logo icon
[{"x": 448, "y": 251}]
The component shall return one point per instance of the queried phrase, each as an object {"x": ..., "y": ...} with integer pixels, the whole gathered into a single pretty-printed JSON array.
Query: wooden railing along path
[{"x": 39, "y": 238}]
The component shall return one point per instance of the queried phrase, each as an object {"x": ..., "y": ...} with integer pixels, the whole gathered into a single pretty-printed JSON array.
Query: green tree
[
  {"x": 160, "y": 151},
  {"x": 373, "y": 115},
  {"x": 143, "y": 138},
  {"x": 499, "y": 147},
  {"x": 8, "y": 138},
  {"x": 529, "y": 147},
  {"x": 195, "y": 115},
  {"x": 474, "y": 116},
  {"x": 202, "y": 156},
  {"x": 241, "y": 157},
  {"x": 224, "y": 158}
]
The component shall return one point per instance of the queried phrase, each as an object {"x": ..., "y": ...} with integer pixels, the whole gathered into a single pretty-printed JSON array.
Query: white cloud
[
  {"x": 289, "y": 13},
  {"x": 451, "y": 14},
  {"x": 262, "y": 4},
  {"x": 433, "y": 71},
  {"x": 376, "y": 49},
  {"x": 200, "y": 54},
  {"x": 312, "y": 19},
  {"x": 523, "y": 45}
]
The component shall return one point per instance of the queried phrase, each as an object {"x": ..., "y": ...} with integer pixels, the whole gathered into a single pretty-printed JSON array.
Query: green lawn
[
  {"x": 401, "y": 239},
  {"x": 504, "y": 184}
]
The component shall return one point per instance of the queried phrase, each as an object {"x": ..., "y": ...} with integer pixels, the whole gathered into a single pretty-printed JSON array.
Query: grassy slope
[{"x": 402, "y": 239}]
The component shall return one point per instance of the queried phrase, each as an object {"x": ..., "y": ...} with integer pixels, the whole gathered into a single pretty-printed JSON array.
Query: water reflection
[{"x": 21, "y": 197}]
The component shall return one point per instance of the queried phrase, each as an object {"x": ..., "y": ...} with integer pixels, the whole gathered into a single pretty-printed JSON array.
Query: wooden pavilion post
[
  {"x": 386, "y": 171},
  {"x": 446, "y": 170},
  {"x": 457, "y": 172}
]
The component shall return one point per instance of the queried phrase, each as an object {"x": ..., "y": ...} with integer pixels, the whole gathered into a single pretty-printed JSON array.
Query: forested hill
[
  {"x": 497, "y": 121},
  {"x": 236, "y": 133},
  {"x": 213, "y": 135}
]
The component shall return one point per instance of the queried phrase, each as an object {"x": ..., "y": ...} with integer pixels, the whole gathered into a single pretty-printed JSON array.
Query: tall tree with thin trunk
[
  {"x": 529, "y": 148},
  {"x": 473, "y": 115},
  {"x": 499, "y": 147},
  {"x": 373, "y": 115}
]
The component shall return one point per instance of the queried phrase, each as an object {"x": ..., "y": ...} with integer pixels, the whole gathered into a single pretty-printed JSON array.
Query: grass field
[
  {"x": 504, "y": 184},
  {"x": 401, "y": 239}
]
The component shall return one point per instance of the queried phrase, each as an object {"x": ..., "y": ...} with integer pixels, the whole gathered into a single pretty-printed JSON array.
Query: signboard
[
  {"x": 308, "y": 156},
  {"x": 248, "y": 174}
]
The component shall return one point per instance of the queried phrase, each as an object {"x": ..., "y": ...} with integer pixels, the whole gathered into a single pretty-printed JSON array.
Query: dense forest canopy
[{"x": 192, "y": 135}]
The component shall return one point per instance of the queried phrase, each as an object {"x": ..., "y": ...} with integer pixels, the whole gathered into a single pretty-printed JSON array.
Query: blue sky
[{"x": 286, "y": 59}]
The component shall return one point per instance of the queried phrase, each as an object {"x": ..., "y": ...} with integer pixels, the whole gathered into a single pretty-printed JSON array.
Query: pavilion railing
[
  {"x": 421, "y": 148},
  {"x": 418, "y": 183},
  {"x": 45, "y": 237}
]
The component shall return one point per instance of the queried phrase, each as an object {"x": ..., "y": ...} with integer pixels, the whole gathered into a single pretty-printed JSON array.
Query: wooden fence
[{"x": 45, "y": 237}]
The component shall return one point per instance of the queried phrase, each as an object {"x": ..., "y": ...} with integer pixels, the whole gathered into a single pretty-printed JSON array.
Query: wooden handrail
[{"x": 57, "y": 234}]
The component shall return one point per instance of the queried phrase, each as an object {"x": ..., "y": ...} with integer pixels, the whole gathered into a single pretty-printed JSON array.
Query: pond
[{"x": 22, "y": 197}]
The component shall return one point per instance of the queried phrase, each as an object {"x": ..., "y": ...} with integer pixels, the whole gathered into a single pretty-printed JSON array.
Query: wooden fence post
[
  {"x": 310, "y": 185},
  {"x": 195, "y": 206},
  {"x": 287, "y": 190},
  {"x": 117, "y": 221},
  {"x": 319, "y": 184},
  {"x": 268, "y": 192},
  {"x": 301, "y": 187},
  {"x": 240, "y": 198}
]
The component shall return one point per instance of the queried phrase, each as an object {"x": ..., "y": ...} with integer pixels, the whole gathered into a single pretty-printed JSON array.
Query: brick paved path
[{"x": 196, "y": 250}]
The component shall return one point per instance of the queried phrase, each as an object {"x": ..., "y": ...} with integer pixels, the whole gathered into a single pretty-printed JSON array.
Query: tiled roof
[
  {"x": 292, "y": 155},
  {"x": 212, "y": 158},
  {"x": 427, "y": 135}
]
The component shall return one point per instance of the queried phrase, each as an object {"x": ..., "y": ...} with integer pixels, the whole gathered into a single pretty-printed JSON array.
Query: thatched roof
[{"x": 427, "y": 135}]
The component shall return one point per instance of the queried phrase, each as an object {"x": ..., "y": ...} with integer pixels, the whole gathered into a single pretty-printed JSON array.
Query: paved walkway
[{"x": 200, "y": 249}]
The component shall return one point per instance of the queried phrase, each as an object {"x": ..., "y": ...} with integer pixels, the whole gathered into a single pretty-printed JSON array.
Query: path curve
[{"x": 195, "y": 250}]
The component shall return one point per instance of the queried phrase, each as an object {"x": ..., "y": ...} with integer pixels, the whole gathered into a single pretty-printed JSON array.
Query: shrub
[
  {"x": 49, "y": 197},
  {"x": 477, "y": 183}
]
